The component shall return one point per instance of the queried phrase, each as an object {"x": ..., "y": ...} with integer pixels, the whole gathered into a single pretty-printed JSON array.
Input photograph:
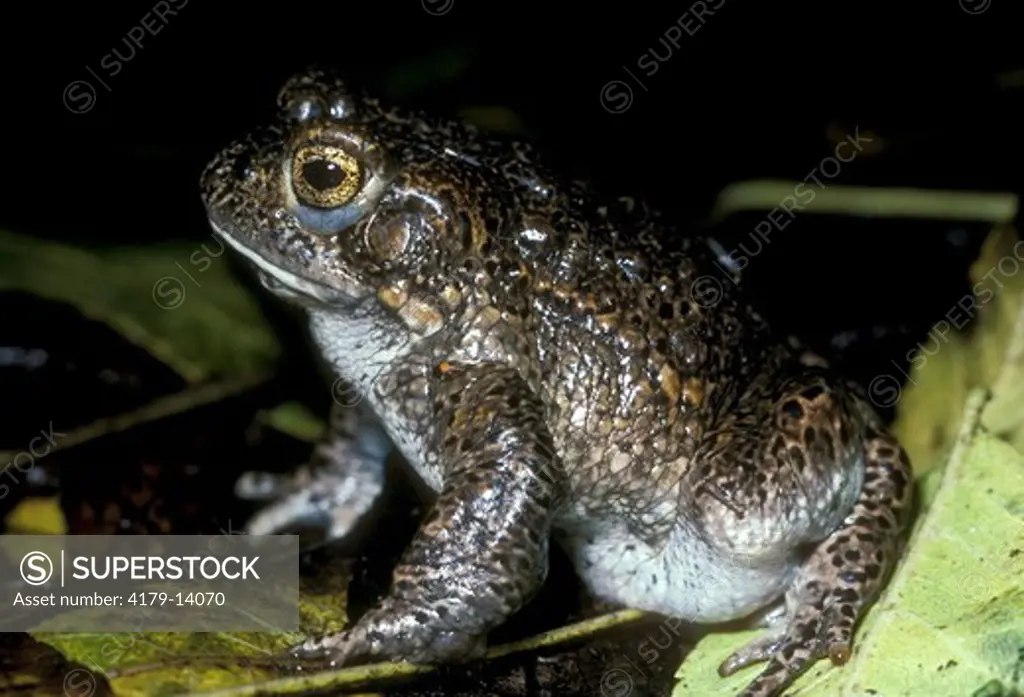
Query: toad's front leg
[
  {"x": 483, "y": 549},
  {"x": 335, "y": 491}
]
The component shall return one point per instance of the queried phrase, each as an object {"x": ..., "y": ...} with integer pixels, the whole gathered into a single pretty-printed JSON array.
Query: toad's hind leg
[{"x": 843, "y": 574}]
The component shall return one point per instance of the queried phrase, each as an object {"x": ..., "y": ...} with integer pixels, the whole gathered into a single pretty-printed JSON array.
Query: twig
[
  {"x": 881, "y": 202},
  {"x": 163, "y": 407},
  {"x": 363, "y": 676}
]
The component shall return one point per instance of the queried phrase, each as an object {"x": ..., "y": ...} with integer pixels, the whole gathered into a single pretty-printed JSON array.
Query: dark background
[
  {"x": 753, "y": 93},
  {"x": 757, "y": 92}
]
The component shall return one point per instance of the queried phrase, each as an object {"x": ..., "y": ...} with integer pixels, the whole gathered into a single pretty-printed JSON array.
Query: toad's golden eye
[{"x": 324, "y": 176}]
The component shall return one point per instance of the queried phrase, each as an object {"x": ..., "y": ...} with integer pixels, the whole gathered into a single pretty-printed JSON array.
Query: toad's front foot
[
  {"x": 392, "y": 633},
  {"x": 339, "y": 487}
]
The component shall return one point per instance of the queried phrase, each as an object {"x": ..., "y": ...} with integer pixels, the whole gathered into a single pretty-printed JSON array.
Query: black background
[
  {"x": 751, "y": 94},
  {"x": 754, "y": 93}
]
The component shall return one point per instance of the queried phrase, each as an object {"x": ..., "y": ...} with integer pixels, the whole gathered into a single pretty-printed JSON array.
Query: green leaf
[
  {"x": 493, "y": 119},
  {"x": 155, "y": 664},
  {"x": 427, "y": 70},
  {"x": 296, "y": 420},
  {"x": 179, "y": 301}
]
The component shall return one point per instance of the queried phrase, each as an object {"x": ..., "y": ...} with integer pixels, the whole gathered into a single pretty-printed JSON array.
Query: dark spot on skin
[
  {"x": 810, "y": 435},
  {"x": 844, "y": 431},
  {"x": 812, "y": 393},
  {"x": 899, "y": 480},
  {"x": 796, "y": 456},
  {"x": 873, "y": 570},
  {"x": 792, "y": 409},
  {"x": 852, "y": 556},
  {"x": 466, "y": 231},
  {"x": 666, "y": 311}
]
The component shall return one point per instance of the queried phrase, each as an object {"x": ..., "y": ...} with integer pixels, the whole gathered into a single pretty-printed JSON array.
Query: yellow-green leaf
[
  {"x": 986, "y": 351},
  {"x": 155, "y": 664},
  {"x": 37, "y": 516}
]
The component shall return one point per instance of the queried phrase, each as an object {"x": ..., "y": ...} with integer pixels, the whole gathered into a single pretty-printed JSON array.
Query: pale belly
[{"x": 684, "y": 578}]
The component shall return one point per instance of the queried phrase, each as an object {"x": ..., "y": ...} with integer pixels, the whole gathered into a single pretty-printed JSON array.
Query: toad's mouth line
[{"x": 291, "y": 281}]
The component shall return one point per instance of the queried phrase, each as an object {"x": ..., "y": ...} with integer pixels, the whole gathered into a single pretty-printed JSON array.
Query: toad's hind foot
[
  {"x": 817, "y": 629},
  {"x": 839, "y": 580}
]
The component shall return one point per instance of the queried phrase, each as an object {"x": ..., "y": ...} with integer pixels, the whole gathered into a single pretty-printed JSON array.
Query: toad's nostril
[{"x": 241, "y": 168}]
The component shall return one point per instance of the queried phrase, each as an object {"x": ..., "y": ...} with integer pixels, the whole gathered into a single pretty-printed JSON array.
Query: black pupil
[{"x": 322, "y": 175}]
